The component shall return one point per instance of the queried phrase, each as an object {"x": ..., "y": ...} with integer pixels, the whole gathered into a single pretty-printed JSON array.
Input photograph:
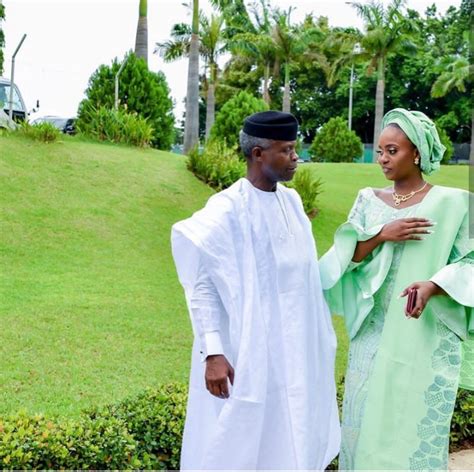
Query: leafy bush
[
  {"x": 116, "y": 126},
  {"x": 231, "y": 117},
  {"x": 141, "y": 91},
  {"x": 308, "y": 188},
  {"x": 444, "y": 138},
  {"x": 142, "y": 432},
  {"x": 218, "y": 165},
  {"x": 334, "y": 142},
  {"x": 44, "y": 132},
  {"x": 462, "y": 425},
  {"x": 155, "y": 419}
]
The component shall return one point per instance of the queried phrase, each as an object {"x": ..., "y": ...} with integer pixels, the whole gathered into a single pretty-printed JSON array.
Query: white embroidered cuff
[{"x": 211, "y": 344}]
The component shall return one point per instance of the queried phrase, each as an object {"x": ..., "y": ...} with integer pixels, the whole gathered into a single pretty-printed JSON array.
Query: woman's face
[{"x": 396, "y": 154}]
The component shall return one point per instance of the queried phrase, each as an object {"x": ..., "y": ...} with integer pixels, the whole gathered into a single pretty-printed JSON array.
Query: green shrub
[
  {"x": 308, "y": 188},
  {"x": 231, "y": 117},
  {"x": 44, "y": 132},
  {"x": 444, "y": 138},
  {"x": 462, "y": 424},
  {"x": 40, "y": 443},
  {"x": 141, "y": 91},
  {"x": 116, "y": 126},
  {"x": 155, "y": 418},
  {"x": 334, "y": 142},
  {"x": 218, "y": 165}
]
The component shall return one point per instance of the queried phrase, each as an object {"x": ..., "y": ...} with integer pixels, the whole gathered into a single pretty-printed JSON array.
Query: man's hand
[
  {"x": 425, "y": 290},
  {"x": 406, "y": 229},
  {"x": 217, "y": 371}
]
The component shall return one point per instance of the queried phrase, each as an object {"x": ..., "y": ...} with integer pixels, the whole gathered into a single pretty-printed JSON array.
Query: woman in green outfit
[{"x": 405, "y": 364}]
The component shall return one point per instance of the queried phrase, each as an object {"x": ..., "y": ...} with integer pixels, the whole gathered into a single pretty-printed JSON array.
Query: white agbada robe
[{"x": 276, "y": 330}]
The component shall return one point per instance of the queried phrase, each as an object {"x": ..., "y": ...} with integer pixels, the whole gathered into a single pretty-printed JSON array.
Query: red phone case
[{"x": 411, "y": 302}]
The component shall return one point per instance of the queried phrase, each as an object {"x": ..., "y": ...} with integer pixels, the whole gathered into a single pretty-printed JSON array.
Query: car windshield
[
  {"x": 5, "y": 98},
  {"x": 59, "y": 122}
]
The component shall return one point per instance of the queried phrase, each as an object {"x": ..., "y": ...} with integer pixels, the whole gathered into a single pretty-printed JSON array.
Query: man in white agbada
[{"x": 262, "y": 392}]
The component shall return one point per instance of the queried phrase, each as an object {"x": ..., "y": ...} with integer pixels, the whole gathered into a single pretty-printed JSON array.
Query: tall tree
[
  {"x": 256, "y": 42},
  {"x": 191, "y": 124},
  {"x": 141, "y": 40},
  {"x": 211, "y": 46},
  {"x": 457, "y": 73},
  {"x": 290, "y": 44},
  {"x": 2, "y": 36},
  {"x": 386, "y": 33}
]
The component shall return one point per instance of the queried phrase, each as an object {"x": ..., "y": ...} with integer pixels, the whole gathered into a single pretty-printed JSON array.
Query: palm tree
[
  {"x": 141, "y": 41},
  {"x": 2, "y": 36},
  {"x": 457, "y": 72},
  {"x": 191, "y": 124},
  {"x": 211, "y": 47},
  {"x": 387, "y": 33},
  {"x": 290, "y": 44}
]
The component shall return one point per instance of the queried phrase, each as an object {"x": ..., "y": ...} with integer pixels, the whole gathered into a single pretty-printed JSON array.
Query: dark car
[{"x": 65, "y": 125}]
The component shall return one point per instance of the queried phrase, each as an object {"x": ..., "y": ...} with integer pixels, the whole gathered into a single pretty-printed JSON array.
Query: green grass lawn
[{"x": 90, "y": 307}]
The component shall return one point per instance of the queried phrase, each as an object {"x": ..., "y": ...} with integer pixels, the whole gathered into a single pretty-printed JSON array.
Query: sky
[{"x": 68, "y": 39}]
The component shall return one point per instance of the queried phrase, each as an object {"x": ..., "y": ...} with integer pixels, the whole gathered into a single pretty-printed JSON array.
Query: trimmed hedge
[{"x": 142, "y": 432}]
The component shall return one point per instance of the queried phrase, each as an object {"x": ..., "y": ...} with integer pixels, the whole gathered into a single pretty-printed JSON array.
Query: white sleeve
[{"x": 206, "y": 307}]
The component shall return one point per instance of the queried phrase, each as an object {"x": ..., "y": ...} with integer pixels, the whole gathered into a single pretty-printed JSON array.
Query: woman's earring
[{"x": 417, "y": 160}]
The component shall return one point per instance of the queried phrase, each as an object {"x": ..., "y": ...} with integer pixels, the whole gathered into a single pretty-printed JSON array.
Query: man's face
[{"x": 279, "y": 161}]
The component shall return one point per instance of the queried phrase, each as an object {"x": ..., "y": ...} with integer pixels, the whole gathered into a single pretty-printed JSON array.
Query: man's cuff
[{"x": 211, "y": 345}]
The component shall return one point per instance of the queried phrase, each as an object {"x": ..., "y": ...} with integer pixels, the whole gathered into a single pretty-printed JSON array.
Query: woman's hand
[
  {"x": 406, "y": 229},
  {"x": 425, "y": 290}
]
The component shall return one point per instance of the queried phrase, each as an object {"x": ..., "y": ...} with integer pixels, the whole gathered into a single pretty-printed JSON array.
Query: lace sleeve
[{"x": 356, "y": 215}]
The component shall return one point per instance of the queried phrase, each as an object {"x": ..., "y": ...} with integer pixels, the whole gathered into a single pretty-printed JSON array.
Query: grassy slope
[{"x": 91, "y": 309}]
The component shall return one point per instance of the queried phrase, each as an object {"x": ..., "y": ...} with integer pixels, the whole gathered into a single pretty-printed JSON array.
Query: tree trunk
[
  {"x": 191, "y": 126},
  {"x": 141, "y": 40},
  {"x": 379, "y": 105},
  {"x": 286, "y": 94},
  {"x": 210, "y": 108},
  {"x": 266, "y": 79},
  {"x": 471, "y": 151}
]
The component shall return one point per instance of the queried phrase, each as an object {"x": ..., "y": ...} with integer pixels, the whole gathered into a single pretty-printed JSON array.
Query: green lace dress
[{"x": 433, "y": 430}]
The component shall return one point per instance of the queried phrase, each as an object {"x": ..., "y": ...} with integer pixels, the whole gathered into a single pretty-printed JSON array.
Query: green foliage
[
  {"x": 444, "y": 138},
  {"x": 116, "y": 126},
  {"x": 142, "y": 432},
  {"x": 218, "y": 165},
  {"x": 231, "y": 117},
  {"x": 139, "y": 433},
  {"x": 2, "y": 36},
  {"x": 44, "y": 132},
  {"x": 140, "y": 91},
  {"x": 336, "y": 143},
  {"x": 462, "y": 426},
  {"x": 155, "y": 419},
  {"x": 308, "y": 189}
]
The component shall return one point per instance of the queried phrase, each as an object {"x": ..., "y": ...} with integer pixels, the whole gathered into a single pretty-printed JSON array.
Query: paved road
[{"x": 462, "y": 460}]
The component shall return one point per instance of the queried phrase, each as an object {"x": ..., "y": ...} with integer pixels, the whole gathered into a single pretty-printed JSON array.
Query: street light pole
[
  {"x": 351, "y": 83},
  {"x": 12, "y": 77},
  {"x": 355, "y": 50},
  {"x": 116, "y": 101}
]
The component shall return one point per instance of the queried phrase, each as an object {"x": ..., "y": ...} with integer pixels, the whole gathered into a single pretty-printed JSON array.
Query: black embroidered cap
[{"x": 272, "y": 125}]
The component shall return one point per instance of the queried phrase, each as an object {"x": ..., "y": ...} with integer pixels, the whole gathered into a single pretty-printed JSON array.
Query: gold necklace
[{"x": 397, "y": 198}]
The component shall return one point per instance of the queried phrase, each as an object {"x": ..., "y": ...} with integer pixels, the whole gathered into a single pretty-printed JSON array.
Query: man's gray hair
[{"x": 247, "y": 143}]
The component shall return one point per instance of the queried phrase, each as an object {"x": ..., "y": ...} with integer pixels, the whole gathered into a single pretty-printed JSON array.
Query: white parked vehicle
[{"x": 20, "y": 112}]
